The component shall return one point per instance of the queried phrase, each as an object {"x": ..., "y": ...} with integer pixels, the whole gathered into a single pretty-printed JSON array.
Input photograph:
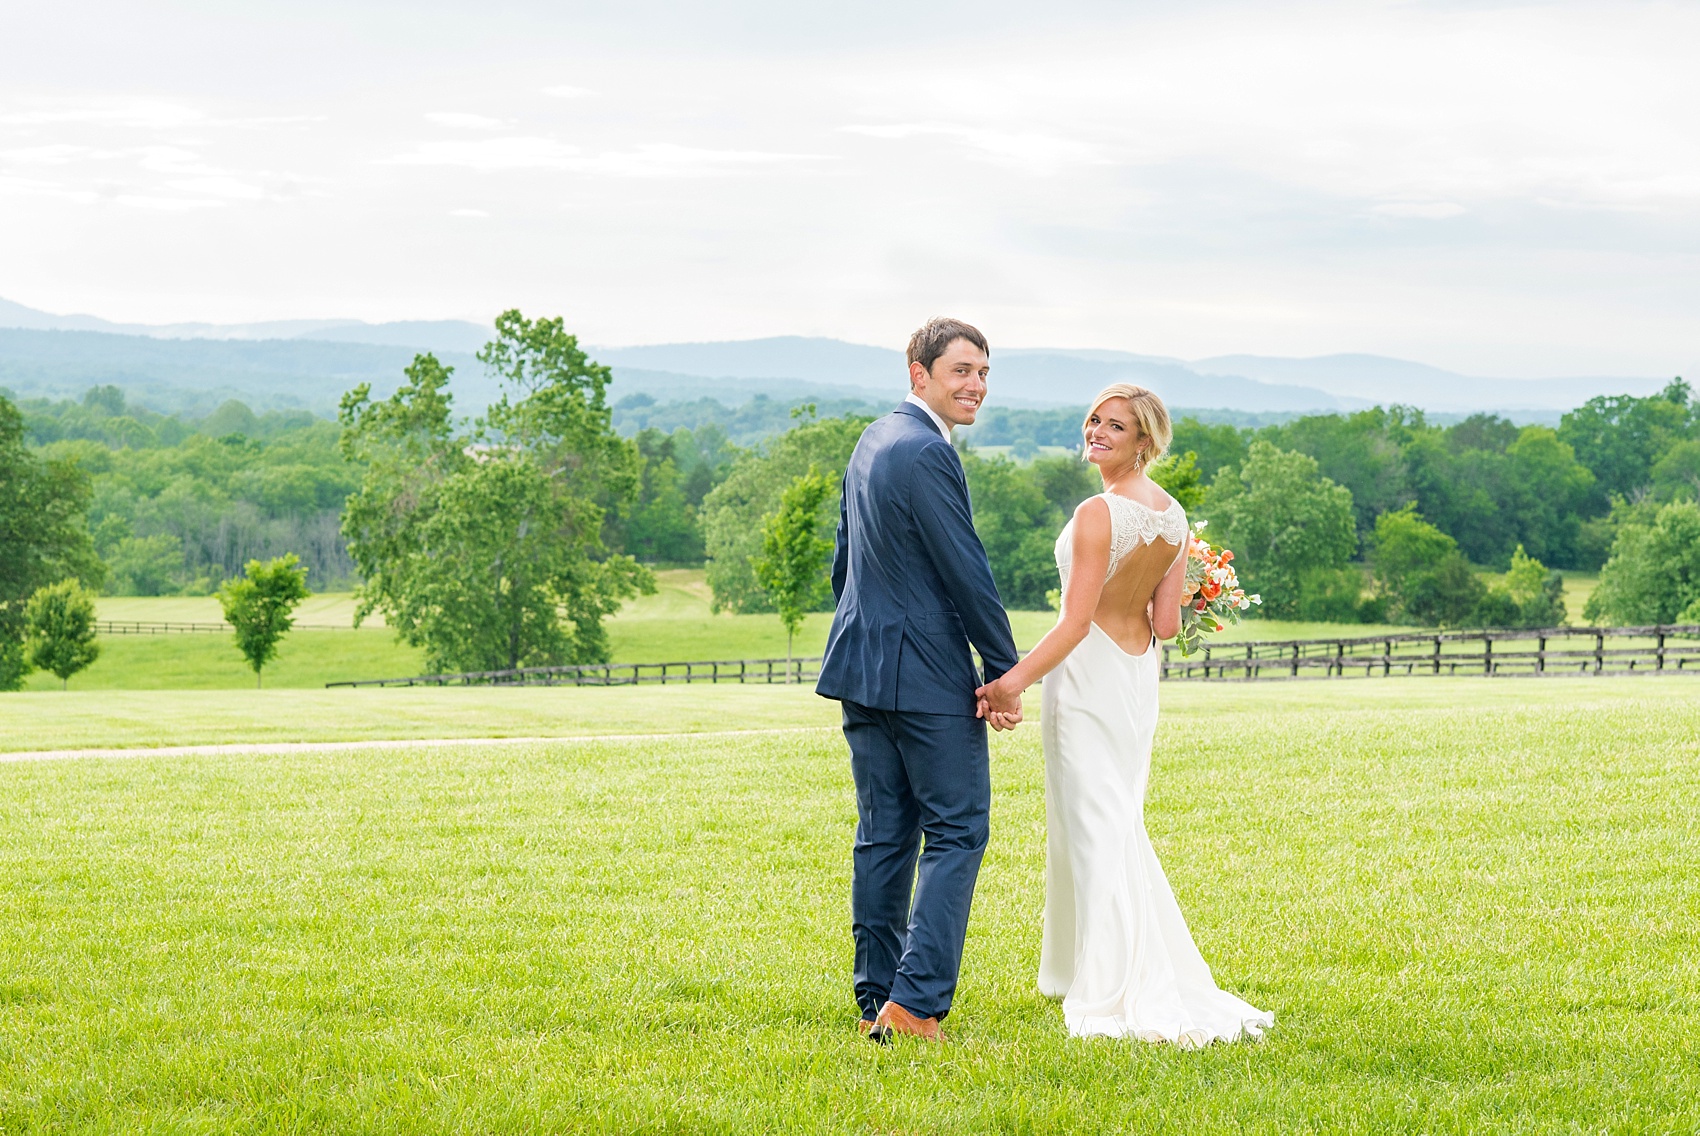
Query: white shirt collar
[{"x": 937, "y": 421}]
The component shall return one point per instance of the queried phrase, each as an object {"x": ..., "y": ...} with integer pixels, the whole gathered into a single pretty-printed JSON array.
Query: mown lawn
[
  {"x": 675, "y": 624},
  {"x": 1471, "y": 904}
]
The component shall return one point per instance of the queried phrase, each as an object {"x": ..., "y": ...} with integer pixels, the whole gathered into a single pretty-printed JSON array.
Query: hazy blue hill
[
  {"x": 456, "y": 336},
  {"x": 1377, "y": 379},
  {"x": 829, "y": 362},
  {"x": 1036, "y": 376},
  {"x": 186, "y": 374}
]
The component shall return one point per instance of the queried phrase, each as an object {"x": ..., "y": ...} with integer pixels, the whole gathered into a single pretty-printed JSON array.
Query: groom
[{"x": 914, "y": 589}]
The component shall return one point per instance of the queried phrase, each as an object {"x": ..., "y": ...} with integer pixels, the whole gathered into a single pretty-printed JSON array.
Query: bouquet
[{"x": 1212, "y": 597}]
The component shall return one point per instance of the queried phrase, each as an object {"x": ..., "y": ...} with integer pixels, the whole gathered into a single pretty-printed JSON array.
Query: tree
[
  {"x": 59, "y": 619},
  {"x": 485, "y": 545},
  {"x": 259, "y": 605},
  {"x": 661, "y": 524},
  {"x": 1653, "y": 575},
  {"x": 793, "y": 558},
  {"x": 1290, "y": 528},
  {"x": 43, "y": 538},
  {"x": 1420, "y": 573},
  {"x": 1620, "y": 438},
  {"x": 1528, "y": 595},
  {"x": 1018, "y": 526},
  {"x": 1181, "y": 478},
  {"x": 732, "y": 512}
]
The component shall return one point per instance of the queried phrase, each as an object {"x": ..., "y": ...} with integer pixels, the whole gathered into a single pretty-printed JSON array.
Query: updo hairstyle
[{"x": 1149, "y": 415}]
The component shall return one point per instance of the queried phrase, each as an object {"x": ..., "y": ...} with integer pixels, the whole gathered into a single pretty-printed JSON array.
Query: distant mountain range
[{"x": 309, "y": 363}]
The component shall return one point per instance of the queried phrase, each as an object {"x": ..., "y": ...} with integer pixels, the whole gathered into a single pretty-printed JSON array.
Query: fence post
[
  {"x": 1340, "y": 658},
  {"x": 1541, "y": 655},
  {"x": 1248, "y": 660},
  {"x": 1387, "y": 660},
  {"x": 1295, "y": 660},
  {"x": 1599, "y": 651},
  {"x": 1659, "y": 652},
  {"x": 1487, "y": 652},
  {"x": 1437, "y": 654}
]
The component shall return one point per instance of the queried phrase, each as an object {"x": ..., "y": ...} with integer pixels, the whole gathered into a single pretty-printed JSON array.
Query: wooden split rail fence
[
  {"x": 1551, "y": 651},
  {"x": 174, "y": 627},
  {"x": 619, "y": 674},
  {"x": 1547, "y": 651}
]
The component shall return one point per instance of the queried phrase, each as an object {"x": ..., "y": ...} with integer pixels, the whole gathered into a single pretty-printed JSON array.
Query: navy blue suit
[{"x": 914, "y": 589}]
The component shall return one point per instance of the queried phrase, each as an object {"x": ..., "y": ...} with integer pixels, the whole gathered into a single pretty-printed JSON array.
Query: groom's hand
[{"x": 1001, "y": 707}]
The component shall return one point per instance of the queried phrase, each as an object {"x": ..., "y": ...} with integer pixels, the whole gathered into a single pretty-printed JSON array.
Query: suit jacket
[{"x": 911, "y": 578}]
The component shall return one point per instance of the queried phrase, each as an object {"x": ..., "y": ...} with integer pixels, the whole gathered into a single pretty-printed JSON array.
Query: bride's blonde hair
[{"x": 1149, "y": 414}]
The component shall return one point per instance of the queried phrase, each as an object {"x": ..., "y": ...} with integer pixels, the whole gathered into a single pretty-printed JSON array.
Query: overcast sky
[{"x": 1507, "y": 189}]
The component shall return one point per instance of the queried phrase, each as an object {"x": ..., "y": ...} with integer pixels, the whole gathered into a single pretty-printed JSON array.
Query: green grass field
[
  {"x": 1471, "y": 904},
  {"x": 675, "y": 624}
]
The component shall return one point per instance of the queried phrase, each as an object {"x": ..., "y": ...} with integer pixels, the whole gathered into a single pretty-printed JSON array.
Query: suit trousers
[{"x": 923, "y": 784}]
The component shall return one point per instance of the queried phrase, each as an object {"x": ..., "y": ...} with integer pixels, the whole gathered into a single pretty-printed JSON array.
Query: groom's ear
[{"x": 916, "y": 374}]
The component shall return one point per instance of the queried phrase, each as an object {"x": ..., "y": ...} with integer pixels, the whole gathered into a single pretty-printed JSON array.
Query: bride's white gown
[{"x": 1116, "y": 948}]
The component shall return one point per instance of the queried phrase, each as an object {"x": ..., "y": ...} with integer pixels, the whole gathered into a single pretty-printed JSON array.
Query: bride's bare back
[{"x": 1134, "y": 548}]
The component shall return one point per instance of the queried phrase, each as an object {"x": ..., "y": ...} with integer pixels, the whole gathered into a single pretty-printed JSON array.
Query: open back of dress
[{"x": 1116, "y": 947}]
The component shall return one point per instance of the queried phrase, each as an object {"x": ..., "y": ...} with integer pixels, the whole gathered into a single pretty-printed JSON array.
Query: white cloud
[
  {"x": 650, "y": 160},
  {"x": 569, "y": 92},
  {"x": 166, "y": 204},
  {"x": 52, "y": 154},
  {"x": 664, "y": 160},
  {"x": 517, "y": 152},
  {"x": 146, "y": 114},
  {"x": 467, "y": 213},
  {"x": 465, "y": 121},
  {"x": 1040, "y": 152},
  {"x": 1426, "y": 210}
]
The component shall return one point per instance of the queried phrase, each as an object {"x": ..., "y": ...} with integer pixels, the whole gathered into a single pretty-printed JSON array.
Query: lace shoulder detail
[{"x": 1133, "y": 524}]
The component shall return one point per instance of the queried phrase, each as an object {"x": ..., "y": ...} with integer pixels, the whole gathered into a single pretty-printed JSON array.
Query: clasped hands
[{"x": 999, "y": 704}]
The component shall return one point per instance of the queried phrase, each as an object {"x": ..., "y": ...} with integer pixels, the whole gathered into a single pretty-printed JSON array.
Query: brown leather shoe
[{"x": 894, "y": 1019}]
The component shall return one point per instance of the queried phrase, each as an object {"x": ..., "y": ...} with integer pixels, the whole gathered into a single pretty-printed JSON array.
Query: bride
[{"x": 1116, "y": 948}]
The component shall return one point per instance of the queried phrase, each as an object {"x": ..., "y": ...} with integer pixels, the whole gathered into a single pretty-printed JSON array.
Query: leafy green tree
[
  {"x": 1217, "y": 445},
  {"x": 260, "y": 604},
  {"x": 661, "y": 524},
  {"x": 1528, "y": 595},
  {"x": 43, "y": 536},
  {"x": 1065, "y": 481},
  {"x": 732, "y": 513},
  {"x": 1620, "y": 437},
  {"x": 485, "y": 545},
  {"x": 59, "y": 620},
  {"x": 1018, "y": 526},
  {"x": 1676, "y": 475},
  {"x": 794, "y": 555},
  {"x": 1653, "y": 575},
  {"x": 1290, "y": 528},
  {"x": 1420, "y": 572},
  {"x": 1180, "y": 477},
  {"x": 1364, "y": 452}
]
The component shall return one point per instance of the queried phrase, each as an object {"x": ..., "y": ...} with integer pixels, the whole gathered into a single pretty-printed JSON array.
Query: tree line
[{"x": 507, "y": 538}]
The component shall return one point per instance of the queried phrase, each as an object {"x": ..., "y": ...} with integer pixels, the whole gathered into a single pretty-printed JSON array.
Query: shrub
[
  {"x": 1653, "y": 575},
  {"x": 60, "y": 622},
  {"x": 1420, "y": 572}
]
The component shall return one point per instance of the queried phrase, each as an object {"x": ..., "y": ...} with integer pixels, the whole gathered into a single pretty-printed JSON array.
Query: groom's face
[{"x": 955, "y": 385}]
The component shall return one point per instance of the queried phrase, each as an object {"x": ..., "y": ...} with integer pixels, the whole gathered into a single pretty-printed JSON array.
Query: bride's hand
[{"x": 1000, "y": 704}]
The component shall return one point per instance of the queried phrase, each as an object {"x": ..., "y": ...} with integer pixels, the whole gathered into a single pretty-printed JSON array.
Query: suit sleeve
[
  {"x": 841, "y": 545},
  {"x": 939, "y": 501}
]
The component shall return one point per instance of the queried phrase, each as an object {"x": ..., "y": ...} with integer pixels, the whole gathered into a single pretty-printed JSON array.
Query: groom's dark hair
[{"x": 935, "y": 337}]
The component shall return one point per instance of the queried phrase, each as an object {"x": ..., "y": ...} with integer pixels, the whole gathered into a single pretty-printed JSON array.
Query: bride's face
[{"x": 1112, "y": 436}]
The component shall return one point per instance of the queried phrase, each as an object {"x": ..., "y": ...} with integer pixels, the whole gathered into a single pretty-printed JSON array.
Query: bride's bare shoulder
[{"x": 1092, "y": 519}]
